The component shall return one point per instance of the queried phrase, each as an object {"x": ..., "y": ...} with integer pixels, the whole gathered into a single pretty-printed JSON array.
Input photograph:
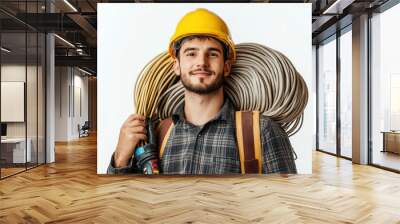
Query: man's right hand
[{"x": 133, "y": 130}]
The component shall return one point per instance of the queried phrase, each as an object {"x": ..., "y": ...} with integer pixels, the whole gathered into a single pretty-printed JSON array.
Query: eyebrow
[{"x": 209, "y": 49}]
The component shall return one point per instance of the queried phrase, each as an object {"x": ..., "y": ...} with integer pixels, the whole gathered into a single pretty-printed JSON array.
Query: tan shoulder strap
[
  {"x": 163, "y": 133},
  {"x": 249, "y": 142}
]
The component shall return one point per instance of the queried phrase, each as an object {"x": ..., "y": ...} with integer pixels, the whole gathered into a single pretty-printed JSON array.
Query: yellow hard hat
[{"x": 203, "y": 22}]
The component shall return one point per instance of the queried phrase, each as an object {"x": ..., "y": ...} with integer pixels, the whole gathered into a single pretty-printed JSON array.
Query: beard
[{"x": 202, "y": 89}]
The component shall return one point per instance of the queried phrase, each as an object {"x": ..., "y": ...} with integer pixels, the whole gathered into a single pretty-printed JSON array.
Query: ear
[
  {"x": 227, "y": 67},
  {"x": 176, "y": 67}
]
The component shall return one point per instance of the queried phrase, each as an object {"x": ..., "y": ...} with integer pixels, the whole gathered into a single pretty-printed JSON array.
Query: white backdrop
[{"x": 131, "y": 34}]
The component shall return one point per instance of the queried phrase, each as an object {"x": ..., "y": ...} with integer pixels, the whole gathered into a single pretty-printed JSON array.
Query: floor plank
[{"x": 70, "y": 191}]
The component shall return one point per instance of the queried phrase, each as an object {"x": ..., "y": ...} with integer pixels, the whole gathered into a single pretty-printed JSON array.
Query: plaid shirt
[{"x": 211, "y": 148}]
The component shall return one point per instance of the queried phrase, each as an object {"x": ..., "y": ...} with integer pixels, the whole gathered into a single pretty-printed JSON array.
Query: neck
[{"x": 201, "y": 108}]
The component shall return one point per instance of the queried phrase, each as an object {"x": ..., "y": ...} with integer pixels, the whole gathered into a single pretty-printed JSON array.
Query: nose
[{"x": 202, "y": 61}]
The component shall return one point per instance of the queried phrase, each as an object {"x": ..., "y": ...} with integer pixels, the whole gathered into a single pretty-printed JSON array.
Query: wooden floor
[
  {"x": 10, "y": 171},
  {"x": 70, "y": 191}
]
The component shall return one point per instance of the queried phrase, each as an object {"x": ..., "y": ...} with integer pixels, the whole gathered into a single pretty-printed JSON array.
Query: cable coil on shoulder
[{"x": 261, "y": 79}]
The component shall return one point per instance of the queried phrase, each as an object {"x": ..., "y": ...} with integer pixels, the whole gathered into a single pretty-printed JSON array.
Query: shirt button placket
[{"x": 198, "y": 135}]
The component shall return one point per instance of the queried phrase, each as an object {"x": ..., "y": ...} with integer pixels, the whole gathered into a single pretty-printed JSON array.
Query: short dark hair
[{"x": 178, "y": 44}]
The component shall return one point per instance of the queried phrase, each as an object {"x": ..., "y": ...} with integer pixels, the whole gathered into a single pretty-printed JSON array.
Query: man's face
[{"x": 201, "y": 65}]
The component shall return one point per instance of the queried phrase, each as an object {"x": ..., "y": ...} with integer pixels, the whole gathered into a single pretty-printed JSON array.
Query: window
[
  {"x": 385, "y": 89},
  {"x": 346, "y": 94},
  {"x": 22, "y": 65},
  {"x": 327, "y": 96}
]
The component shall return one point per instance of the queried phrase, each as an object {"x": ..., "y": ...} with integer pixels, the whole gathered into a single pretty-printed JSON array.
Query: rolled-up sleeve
[
  {"x": 130, "y": 168},
  {"x": 278, "y": 154}
]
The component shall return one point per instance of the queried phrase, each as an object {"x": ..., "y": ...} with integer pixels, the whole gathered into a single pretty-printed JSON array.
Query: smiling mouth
[{"x": 201, "y": 74}]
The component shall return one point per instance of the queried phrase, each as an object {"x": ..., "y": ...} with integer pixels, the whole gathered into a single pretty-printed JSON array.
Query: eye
[
  {"x": 214, "y": 54},
  {"x": 190, "y": 54}
]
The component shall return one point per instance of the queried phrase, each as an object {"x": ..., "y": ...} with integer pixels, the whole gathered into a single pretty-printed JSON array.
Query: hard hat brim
[{"x": 227, "y": 41}]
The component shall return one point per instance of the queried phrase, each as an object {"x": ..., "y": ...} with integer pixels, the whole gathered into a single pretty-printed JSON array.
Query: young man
[{"x": 203, "y": 139}]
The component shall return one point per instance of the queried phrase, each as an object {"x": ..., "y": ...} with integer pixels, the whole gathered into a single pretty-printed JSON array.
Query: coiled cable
[{"x": 261, "y": 79}]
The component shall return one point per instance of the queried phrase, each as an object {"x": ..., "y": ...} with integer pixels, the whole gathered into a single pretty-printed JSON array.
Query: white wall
[
  {"x": 130, "y": 38},
  {"x": 61, "y": 103},
  {"x": 81, "y": 82},
  {"x": 70, "y": 83}
]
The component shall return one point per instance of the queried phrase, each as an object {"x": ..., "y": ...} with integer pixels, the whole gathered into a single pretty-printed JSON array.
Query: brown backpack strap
[
  {"x": 257, "y": 139},
  {"x": 163, "y": 132},
  {"x": 248, "y": 139}
]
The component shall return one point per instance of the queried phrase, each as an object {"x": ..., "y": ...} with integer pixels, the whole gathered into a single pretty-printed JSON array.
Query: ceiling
[{"x": 76, "y": 22}]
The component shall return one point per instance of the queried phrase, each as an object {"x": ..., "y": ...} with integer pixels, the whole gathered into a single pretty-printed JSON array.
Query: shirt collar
[{"x": 225, "y": 114}]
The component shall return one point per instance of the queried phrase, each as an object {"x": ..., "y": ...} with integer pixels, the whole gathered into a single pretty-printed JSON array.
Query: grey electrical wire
[{"x": 261, "y": 79}]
